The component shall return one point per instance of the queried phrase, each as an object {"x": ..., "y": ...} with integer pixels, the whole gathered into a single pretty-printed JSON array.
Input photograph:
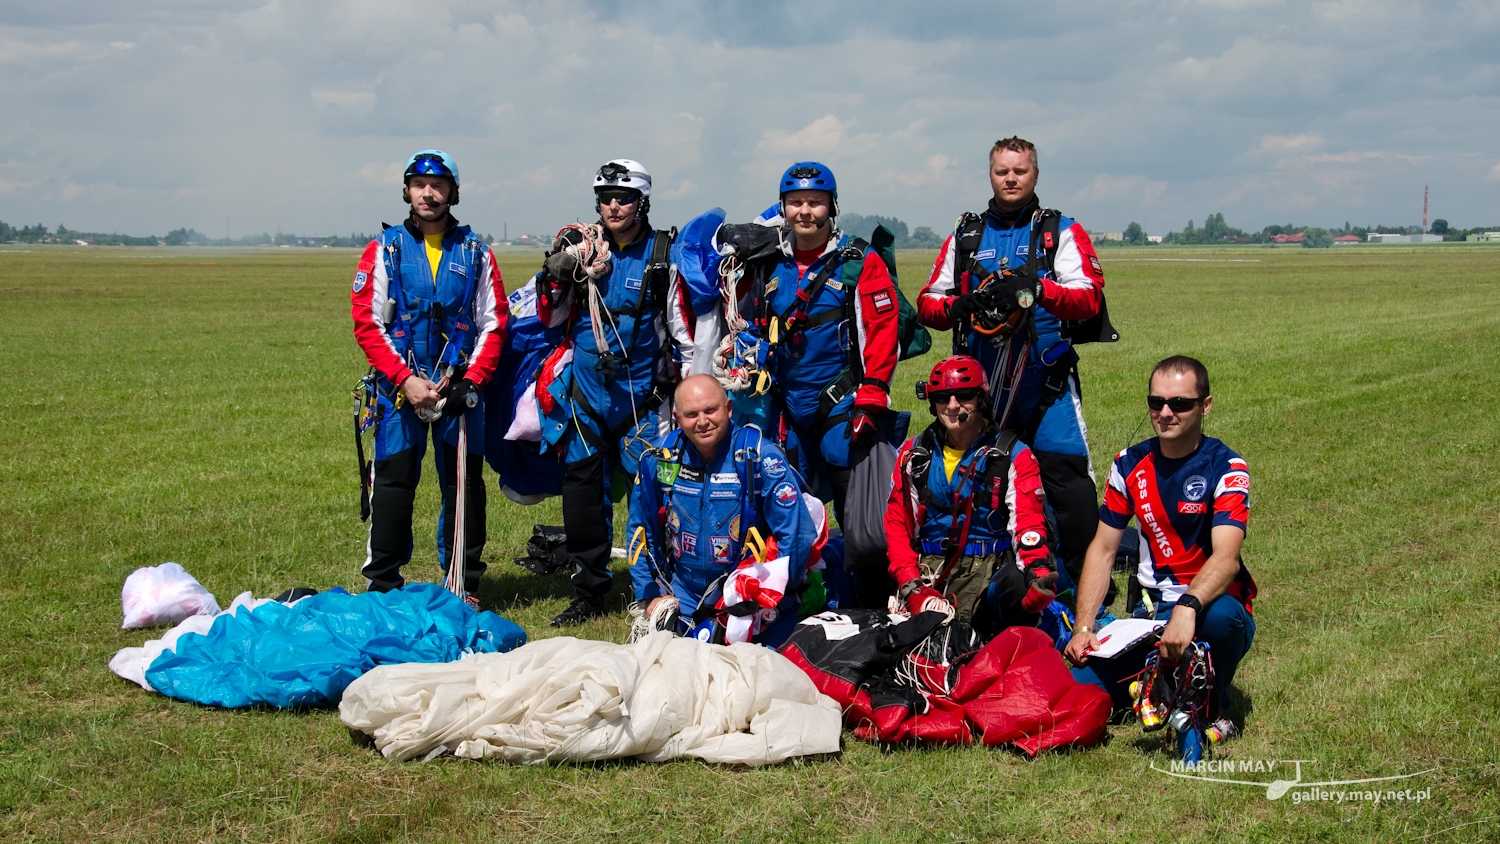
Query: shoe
[{"x": 577, "y": 613}]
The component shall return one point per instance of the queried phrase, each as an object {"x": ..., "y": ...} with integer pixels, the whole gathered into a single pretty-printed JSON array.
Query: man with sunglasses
[
  {"x": 1021, "y": 286},
  {"x": 965, "y": 522},
  {"x": 430, "y": 314},
  {"x": 1190, "y": 497},
  {"x": 618, "y": 387}
]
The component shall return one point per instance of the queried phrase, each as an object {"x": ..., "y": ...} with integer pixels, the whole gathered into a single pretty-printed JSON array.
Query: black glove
[
  {"x": 1017, "y": 289},
  {"x": 561, "y": 268},
  {"x": 963, "y": 308},
  {"x": 862, "y": 429},
  {"x": 461, "y": 396}
]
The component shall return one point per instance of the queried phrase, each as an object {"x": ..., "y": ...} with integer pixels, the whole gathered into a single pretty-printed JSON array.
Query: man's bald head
[
  {"x": 702, "y": 411},
  {"x": 695, "y": 385}
]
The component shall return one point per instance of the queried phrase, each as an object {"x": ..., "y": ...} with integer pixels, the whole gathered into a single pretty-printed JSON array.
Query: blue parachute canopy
[
  {"x": 307, "y": 653},
  {"x": 697, "y": 262}
]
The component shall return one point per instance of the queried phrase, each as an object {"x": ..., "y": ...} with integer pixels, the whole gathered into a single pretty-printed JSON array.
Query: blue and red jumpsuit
[
  {"x": 453, "y": 314},
  {"x": 997, "y": 516}
]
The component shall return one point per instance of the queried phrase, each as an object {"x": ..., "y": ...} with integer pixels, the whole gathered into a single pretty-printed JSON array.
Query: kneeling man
[
  {"x": 1190, "y": 496},
  {"x": 712, "y": 495},
  {"x": 965, "y": 520}
]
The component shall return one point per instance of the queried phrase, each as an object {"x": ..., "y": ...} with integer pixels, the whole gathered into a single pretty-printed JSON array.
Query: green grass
[{"x": 193, "y": 406}]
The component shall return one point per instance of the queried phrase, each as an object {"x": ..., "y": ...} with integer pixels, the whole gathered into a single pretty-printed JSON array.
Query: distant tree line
[
  {"x": 178, "y": 237},
  {"x": 863, "y": 225},
  {"x": 1216, "y": 230}
]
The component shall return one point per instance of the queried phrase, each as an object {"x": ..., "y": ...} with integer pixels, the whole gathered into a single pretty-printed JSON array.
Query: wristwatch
[
  {"x": 1083, "y": 628},
  {"x": 1191, "y": 603}
]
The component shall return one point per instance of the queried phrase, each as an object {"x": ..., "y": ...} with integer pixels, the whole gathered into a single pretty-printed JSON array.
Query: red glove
[
  {"x": 861, "y": 428},
  {"x": 1041, "y": 593},
  {"x": 927, "y": 599}
]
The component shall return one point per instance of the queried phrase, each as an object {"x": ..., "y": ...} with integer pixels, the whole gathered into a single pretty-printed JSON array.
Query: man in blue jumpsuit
[
  {"x": 618, "y": 386},
  {"x": 711, "y": 492},
  {"x": 429, "y": 313},
  {"x": 1052, "y": 274}
]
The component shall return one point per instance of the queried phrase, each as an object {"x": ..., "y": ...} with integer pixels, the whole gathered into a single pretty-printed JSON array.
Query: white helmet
[{"x": 623, "y": 173}]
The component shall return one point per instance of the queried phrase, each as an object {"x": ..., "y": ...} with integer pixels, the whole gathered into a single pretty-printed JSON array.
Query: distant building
[
  {"x": 1120, "y": 236},
  {"x": 1346, "y": 239},
  {"x": 1287, "y": 238},
  {"x": 1153, "y": 238},
  {"x": 1484, "y": 237},
  {"x": 1375, "y": 237}
]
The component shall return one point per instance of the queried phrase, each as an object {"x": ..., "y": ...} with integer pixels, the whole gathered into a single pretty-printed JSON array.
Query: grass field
[{"x": 193, "y": 406}]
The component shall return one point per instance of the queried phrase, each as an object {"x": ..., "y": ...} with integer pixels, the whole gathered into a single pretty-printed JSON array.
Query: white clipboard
[{"x": 1122, "y": 634}]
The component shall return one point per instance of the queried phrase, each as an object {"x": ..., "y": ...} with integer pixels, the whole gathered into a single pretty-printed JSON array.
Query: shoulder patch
[
  {"x": 359, "y": 280},
  {"x": 785, "y": 492},
  {"x": 883, "y": 301}
]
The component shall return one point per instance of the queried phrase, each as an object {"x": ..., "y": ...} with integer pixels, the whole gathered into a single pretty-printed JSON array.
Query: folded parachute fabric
[
  {"x": 306, "y": 653},
  {"x": 921, "y": 679},
  {"x": 572, "y": 700}
]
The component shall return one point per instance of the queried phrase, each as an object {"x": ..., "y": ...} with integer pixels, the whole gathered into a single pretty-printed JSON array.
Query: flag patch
[{"x": 883, "y": 301}]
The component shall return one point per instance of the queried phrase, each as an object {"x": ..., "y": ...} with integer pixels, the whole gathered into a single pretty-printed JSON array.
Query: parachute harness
[
  {"x": 740, "y": 361},
  {"x": 1174, "y": 694}
]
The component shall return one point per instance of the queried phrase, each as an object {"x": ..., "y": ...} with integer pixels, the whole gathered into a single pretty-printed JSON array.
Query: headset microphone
[{"x": 963, "y": 417}]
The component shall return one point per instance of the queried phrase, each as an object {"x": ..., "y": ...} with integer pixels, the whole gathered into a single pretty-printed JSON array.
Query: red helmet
[{"x": 959, "y": 372}]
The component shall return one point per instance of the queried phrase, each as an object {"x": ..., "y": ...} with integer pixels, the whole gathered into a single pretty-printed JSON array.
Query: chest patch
[
  {"x": 1192, "y": 508},
  {"x": 632, "y": 283},
  {"x": 984, "y": 254},
  {"x": 720, "y": 546},
  {"x": 666, "y": 473},
  {"x": 1194, "y": 488},
  {"x": 724, "y": 478},
  {"x": 458, "y": 269},
  {"x": 688, "y": 542}
]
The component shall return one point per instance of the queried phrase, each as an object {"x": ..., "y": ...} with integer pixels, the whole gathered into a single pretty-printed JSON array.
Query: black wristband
[{"x": 1191, "y": 603}]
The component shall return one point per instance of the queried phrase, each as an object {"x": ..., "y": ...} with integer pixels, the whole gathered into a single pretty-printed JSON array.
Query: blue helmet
[
  {"x": 431, "y": 162},
  {"x": 809, "y": 175}
]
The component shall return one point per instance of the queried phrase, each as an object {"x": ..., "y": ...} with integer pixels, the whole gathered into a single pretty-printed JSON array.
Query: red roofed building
[
  {"x": 1287, "y": 238},
  {"x": 1347, "y": 238}
]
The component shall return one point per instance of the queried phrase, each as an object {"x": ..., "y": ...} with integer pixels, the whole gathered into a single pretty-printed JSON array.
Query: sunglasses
[
  {"x": 1179, "y": 404},
  {"x": 964, "y": 396},
  {"x": 430, "y": 165},
  {"x": 622, "y": 197}
]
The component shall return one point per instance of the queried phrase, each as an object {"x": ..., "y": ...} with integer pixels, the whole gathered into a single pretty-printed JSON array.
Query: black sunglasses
[
  {"x": 624, "y": 196},
  {"x": 1179, "y": 404},
  {"x": 965, "y": 395}
]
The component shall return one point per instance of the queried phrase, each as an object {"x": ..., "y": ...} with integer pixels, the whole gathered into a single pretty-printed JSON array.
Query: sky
[{"x": 254, "y": 116}]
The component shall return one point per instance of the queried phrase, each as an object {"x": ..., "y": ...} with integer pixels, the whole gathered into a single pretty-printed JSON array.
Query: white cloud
[
  {"x": 351, "y": 102},
  {"x": 1129, "y": 188},
  {"x": 820, "y": 136},
  {"x": 1270, "y": 115}
]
